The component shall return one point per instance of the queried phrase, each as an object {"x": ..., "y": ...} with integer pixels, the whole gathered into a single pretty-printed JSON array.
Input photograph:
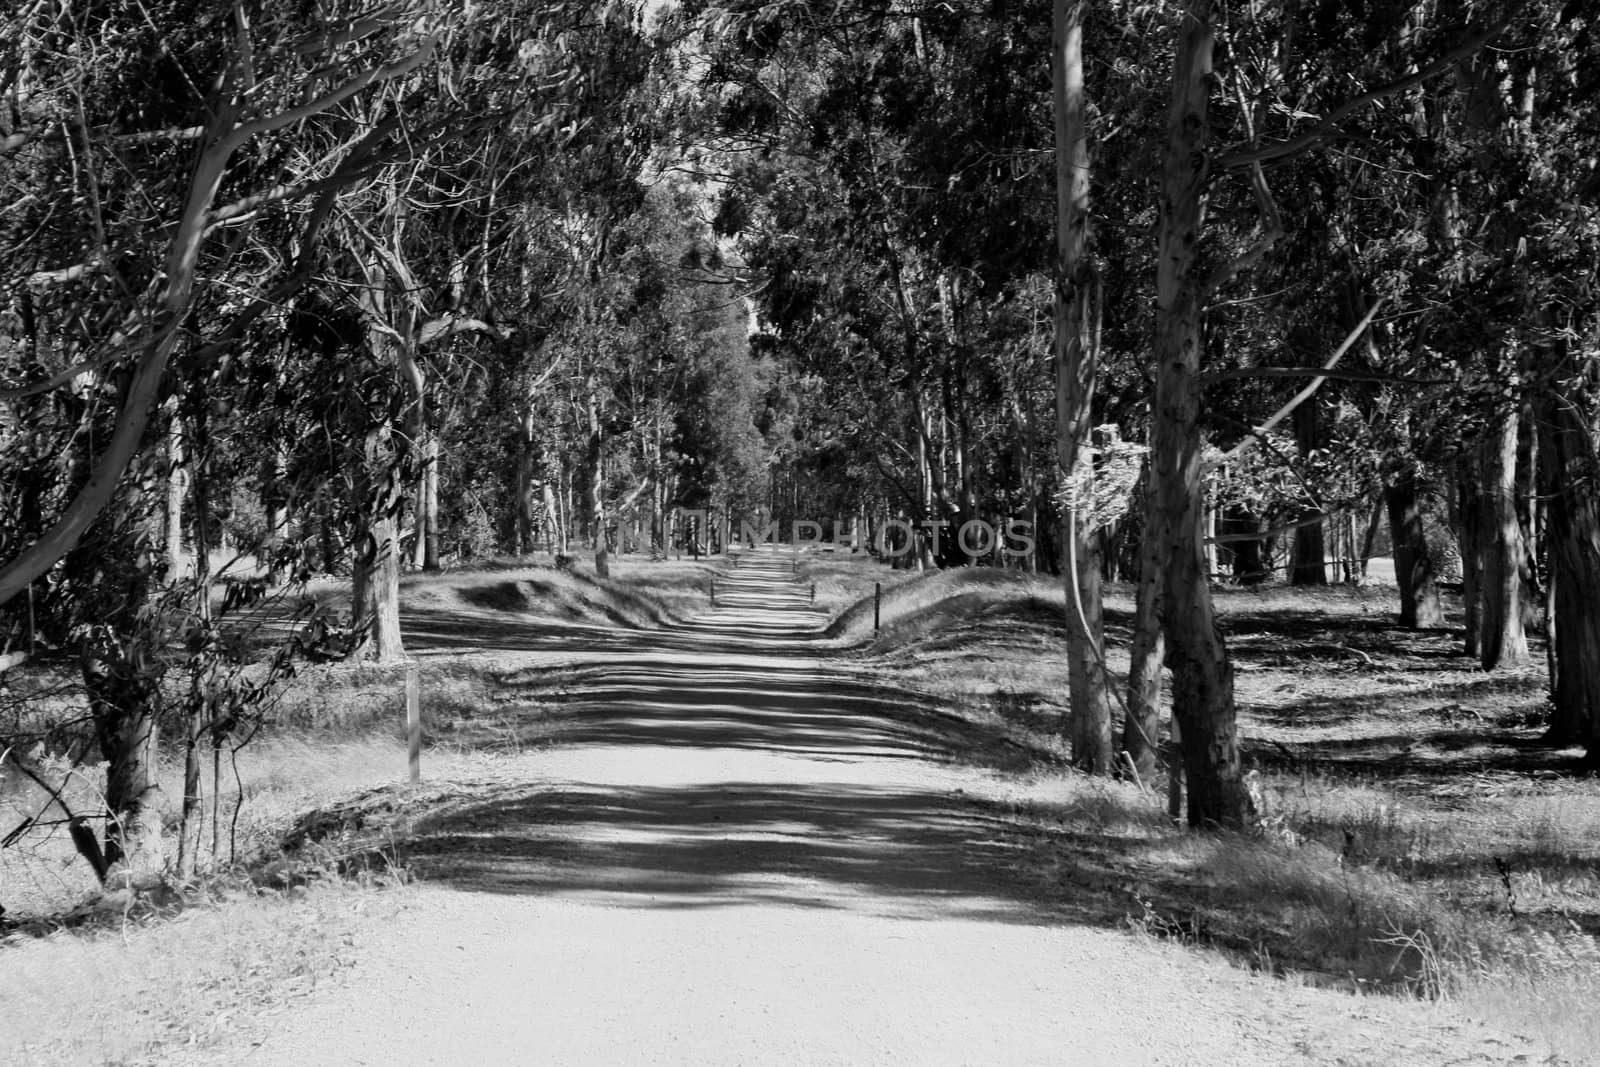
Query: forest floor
[{"x": 752, "y": 835}]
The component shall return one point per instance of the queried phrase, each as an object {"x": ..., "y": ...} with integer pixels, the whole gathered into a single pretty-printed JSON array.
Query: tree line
[{"x": 365, "y": 288}]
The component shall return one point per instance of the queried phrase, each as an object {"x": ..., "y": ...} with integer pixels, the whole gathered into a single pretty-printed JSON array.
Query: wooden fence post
[{"x": 414, "y": 722}]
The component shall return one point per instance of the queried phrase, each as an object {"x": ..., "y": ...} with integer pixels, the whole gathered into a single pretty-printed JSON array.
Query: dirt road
[{"x": 737, "y": 854}]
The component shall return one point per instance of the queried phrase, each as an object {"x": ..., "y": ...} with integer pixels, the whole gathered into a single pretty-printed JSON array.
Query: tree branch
[
  {"x": 1329, "y": 125},
  {"x": 437, "y": 329},
  {"x": 1237, "y": 373},
  {"x": 1260, "y": 432},
  {"x": 371, "y": 76},
  {"x": 1305, "y": 520}
]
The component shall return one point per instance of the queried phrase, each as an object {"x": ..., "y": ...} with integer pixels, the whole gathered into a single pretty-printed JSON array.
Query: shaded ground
[{"x": 730, "y": 850}]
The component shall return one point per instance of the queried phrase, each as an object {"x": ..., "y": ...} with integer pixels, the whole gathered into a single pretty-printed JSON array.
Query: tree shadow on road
[
  {"x": 884, "y": 850},
  {"x": 858, "y": 812}
]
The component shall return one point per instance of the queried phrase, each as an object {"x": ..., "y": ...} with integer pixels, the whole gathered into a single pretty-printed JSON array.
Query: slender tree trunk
[
  {"x": 925, "y": 556},
  {"x": 524, "y": 486},
  {"x": 123, "y": 700},
  {"x": 1502, "y": 642},
  {"x": 176, "y": 488},
  {"x": 1202, "y": 676},
  {"x": 418, "y": 518},
  {"x": 1529, "y": 519},
  {"x": 375, "y": 584},
  {"x": 1500, "y": 639},
  {"x": 1246, "y": 562},
  {"x": 559, "y": 504},
  {"x": 1208, "y": 540},
  {"x": 1413, "y": 563},
  {"x": 597, "y": 490},
  {"x": 190, "y": 817},
  {"x": 1369, "y": 540},
  {"x": 1141, "y": 729},
  {"x": 1571, "y": 479},
  {"x": 1469, "y": 535},
  {"x": 325, "y": 538},
  {"x": 1076, "y": 370},
  {"x": 428, "y": 502},
  {"x": 1308, "y": 563}
]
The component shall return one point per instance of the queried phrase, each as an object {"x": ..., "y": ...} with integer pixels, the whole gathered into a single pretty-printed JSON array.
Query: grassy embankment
[
  {"x": 1418, "y": 838},
  {"x": 116, "y": 986}
]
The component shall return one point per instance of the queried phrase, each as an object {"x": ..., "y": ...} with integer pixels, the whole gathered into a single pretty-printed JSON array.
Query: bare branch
[
  {"x": 1237, "y": 373},
  {"x": 1306, "y": 520},
  {"x": 47, "y": 279},
  {"x": 1260, "y": 432},
  {"x": 175, "y": 133},
  {"x": 357, "y": 28},
  {"x": 371, "y": 76}
]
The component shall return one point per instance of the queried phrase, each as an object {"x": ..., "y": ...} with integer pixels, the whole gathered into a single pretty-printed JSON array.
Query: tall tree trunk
[
  {"x": 376, "y": 481},
  {"x": 175, "y": 493},
  {"x": 1076, "y": 369},
  {"x": 1530, "y": 515},
  {"x": 123, "y": 700},
  {"x": 524, "y": 485},
  {"x": 1469, "y": 537},
  {"x": 1369, "y": 540},
  {"x": 1308, "y": 562},
  {"x": 1502, "y": 641},
  {"x": 1245, "y": 555},
  {"x": 375, "y": 585},
  {"x": 925, "y": 554},
  {"x": 1141, "y": 729},
  {"x": 1570, "y": 472},
  {"x": 1202, "y": 676},
  {"x": 428, "y": 502},
  {"x": 597, "y": 489},
  {"x": 325, "y": 539},
  {"x": 1413, "y": 563},
  {"x": 190, "y": 817}
]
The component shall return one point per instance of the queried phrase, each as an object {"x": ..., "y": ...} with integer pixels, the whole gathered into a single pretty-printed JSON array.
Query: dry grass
[
  {"x": 844, "y": 582},
  {"x": 130, "y": 993},
  {"x": 338, "y": 729},
  {"x": 1417, "y": 837},
  {"x": 639, "y": 593}
]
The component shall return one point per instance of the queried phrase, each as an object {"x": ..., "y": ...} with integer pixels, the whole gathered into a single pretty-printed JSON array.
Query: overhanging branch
[{"x": 1260, "y": 432}]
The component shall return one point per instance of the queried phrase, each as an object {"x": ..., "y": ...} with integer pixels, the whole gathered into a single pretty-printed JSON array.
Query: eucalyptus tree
[
  {"x": 173, "y": 174},
  {"x": 1077, "y": 354},
  {"x": 1191, "y": 271},
  {"x": 881, "y": 169},
  {"x": 504, "y": 117},
  {"x": 1528, "y": 284}
]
